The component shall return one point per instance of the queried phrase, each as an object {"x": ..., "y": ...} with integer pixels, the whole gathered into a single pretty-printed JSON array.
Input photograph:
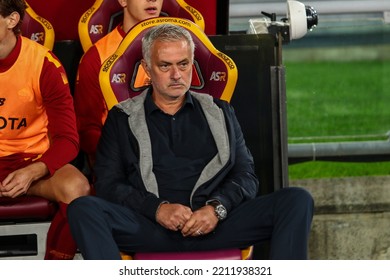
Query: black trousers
[{"x": 103, "y": 229}]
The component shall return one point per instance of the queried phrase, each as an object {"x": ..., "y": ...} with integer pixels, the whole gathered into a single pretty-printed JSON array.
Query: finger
[
  {"x": 190, "y": 223},
  {"x": 187, "y": 215},
  {"x": 7, "y": 179},
  {"x": 197, "y": 233},
  {"x": 184, "y": 218},
  {"x": 8, "y": 193},
  {"x": 8, "y": 187},
  {"x": 188, "y": 230},
  {"x": 179, "y": 227},
  {"x": 19, "y": 193},
  {"x": 15, "y": 192},
  {"x": 193, "y": 231},
  {"x": 177, "y": 224}
]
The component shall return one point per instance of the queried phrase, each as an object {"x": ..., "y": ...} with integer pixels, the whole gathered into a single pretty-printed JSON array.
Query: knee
[
  {"x": 81, "y": 186},
  {"x": 302, "y": 194},
  {"x": 298, "y": 196},
  {"x": 76, "y": 187}
]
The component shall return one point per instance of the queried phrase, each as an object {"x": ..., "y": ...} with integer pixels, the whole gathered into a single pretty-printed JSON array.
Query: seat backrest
[
  {"x": 104, "y": 15},
  {"x": 38, "y": 28},
  {"x": 120, "y": 76}
]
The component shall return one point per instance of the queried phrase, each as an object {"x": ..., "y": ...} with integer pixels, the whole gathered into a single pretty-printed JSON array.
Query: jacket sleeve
[
  {"x": 240, "y": 183},
  {"x": 117, "y": 172}
]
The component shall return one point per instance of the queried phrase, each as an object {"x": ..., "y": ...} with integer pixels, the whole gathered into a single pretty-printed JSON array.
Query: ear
[
  {"x": 145, "y": 66},
  {"x": 123, "y": 3},
  {"x": 12, "y": 20}
]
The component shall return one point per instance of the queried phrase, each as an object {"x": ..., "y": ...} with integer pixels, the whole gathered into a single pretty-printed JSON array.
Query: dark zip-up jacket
[{"x": 124, "y": 166}]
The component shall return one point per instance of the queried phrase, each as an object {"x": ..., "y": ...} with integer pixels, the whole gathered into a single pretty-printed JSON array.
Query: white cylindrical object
[{"x": 296, "y": 14}]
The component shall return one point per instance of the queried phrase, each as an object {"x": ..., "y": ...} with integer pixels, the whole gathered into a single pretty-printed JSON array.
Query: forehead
[{"x": 171, "y": 50}]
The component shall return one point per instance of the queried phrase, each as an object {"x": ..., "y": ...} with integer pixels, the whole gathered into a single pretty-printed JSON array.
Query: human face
[
  {"x": 170, "y": 69},
  {"x": 3, "y": 27},
  {"x": 138, "y": 10},
  {"x": 7, "y": 36}
]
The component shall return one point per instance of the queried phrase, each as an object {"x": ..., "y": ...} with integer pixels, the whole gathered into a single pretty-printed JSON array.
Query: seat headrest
[
  {"x": 104, "y": 15},
  {"x": 37, "y": 28},
  {"x": 214, "y": 72}
]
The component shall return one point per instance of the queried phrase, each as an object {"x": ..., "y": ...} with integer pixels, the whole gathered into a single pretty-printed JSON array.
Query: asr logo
[
  {"x": 37, "y": 37},
  {"x": 96, "y": 29},
  {"x": 218, "y": 76},
  {"x": 119, "y": 78}
]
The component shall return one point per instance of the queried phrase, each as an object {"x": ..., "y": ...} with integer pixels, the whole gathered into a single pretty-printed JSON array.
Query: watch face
[{"x": 221, "y": 212}]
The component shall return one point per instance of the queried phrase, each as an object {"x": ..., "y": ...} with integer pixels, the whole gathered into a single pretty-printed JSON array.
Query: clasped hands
[{"x": 177, "y": 217}]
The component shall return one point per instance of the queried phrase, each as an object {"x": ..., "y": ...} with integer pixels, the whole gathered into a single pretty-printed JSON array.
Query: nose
[{"x": 175, "y": 73}]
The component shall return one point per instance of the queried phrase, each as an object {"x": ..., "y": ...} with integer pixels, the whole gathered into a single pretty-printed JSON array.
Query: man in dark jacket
[{"x": 174, "y": 173}]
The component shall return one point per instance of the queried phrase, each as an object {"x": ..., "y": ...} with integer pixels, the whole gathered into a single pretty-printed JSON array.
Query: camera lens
[{"x": 312, "y": 17}]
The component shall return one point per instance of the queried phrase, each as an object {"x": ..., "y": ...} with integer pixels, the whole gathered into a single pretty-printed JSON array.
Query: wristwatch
[{"x": 219, "y": 210}]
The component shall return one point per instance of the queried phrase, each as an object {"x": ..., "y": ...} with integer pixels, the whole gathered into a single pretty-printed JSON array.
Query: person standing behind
[
  {"x": 173, "y": 172},
  {"x": 38, "y": 134},
  {"x": 90, "y": 106}
]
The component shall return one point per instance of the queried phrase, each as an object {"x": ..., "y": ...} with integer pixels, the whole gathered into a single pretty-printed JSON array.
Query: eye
[
  {"x": 184, "y": 65},
  {"x": 164, "y": 67}
]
